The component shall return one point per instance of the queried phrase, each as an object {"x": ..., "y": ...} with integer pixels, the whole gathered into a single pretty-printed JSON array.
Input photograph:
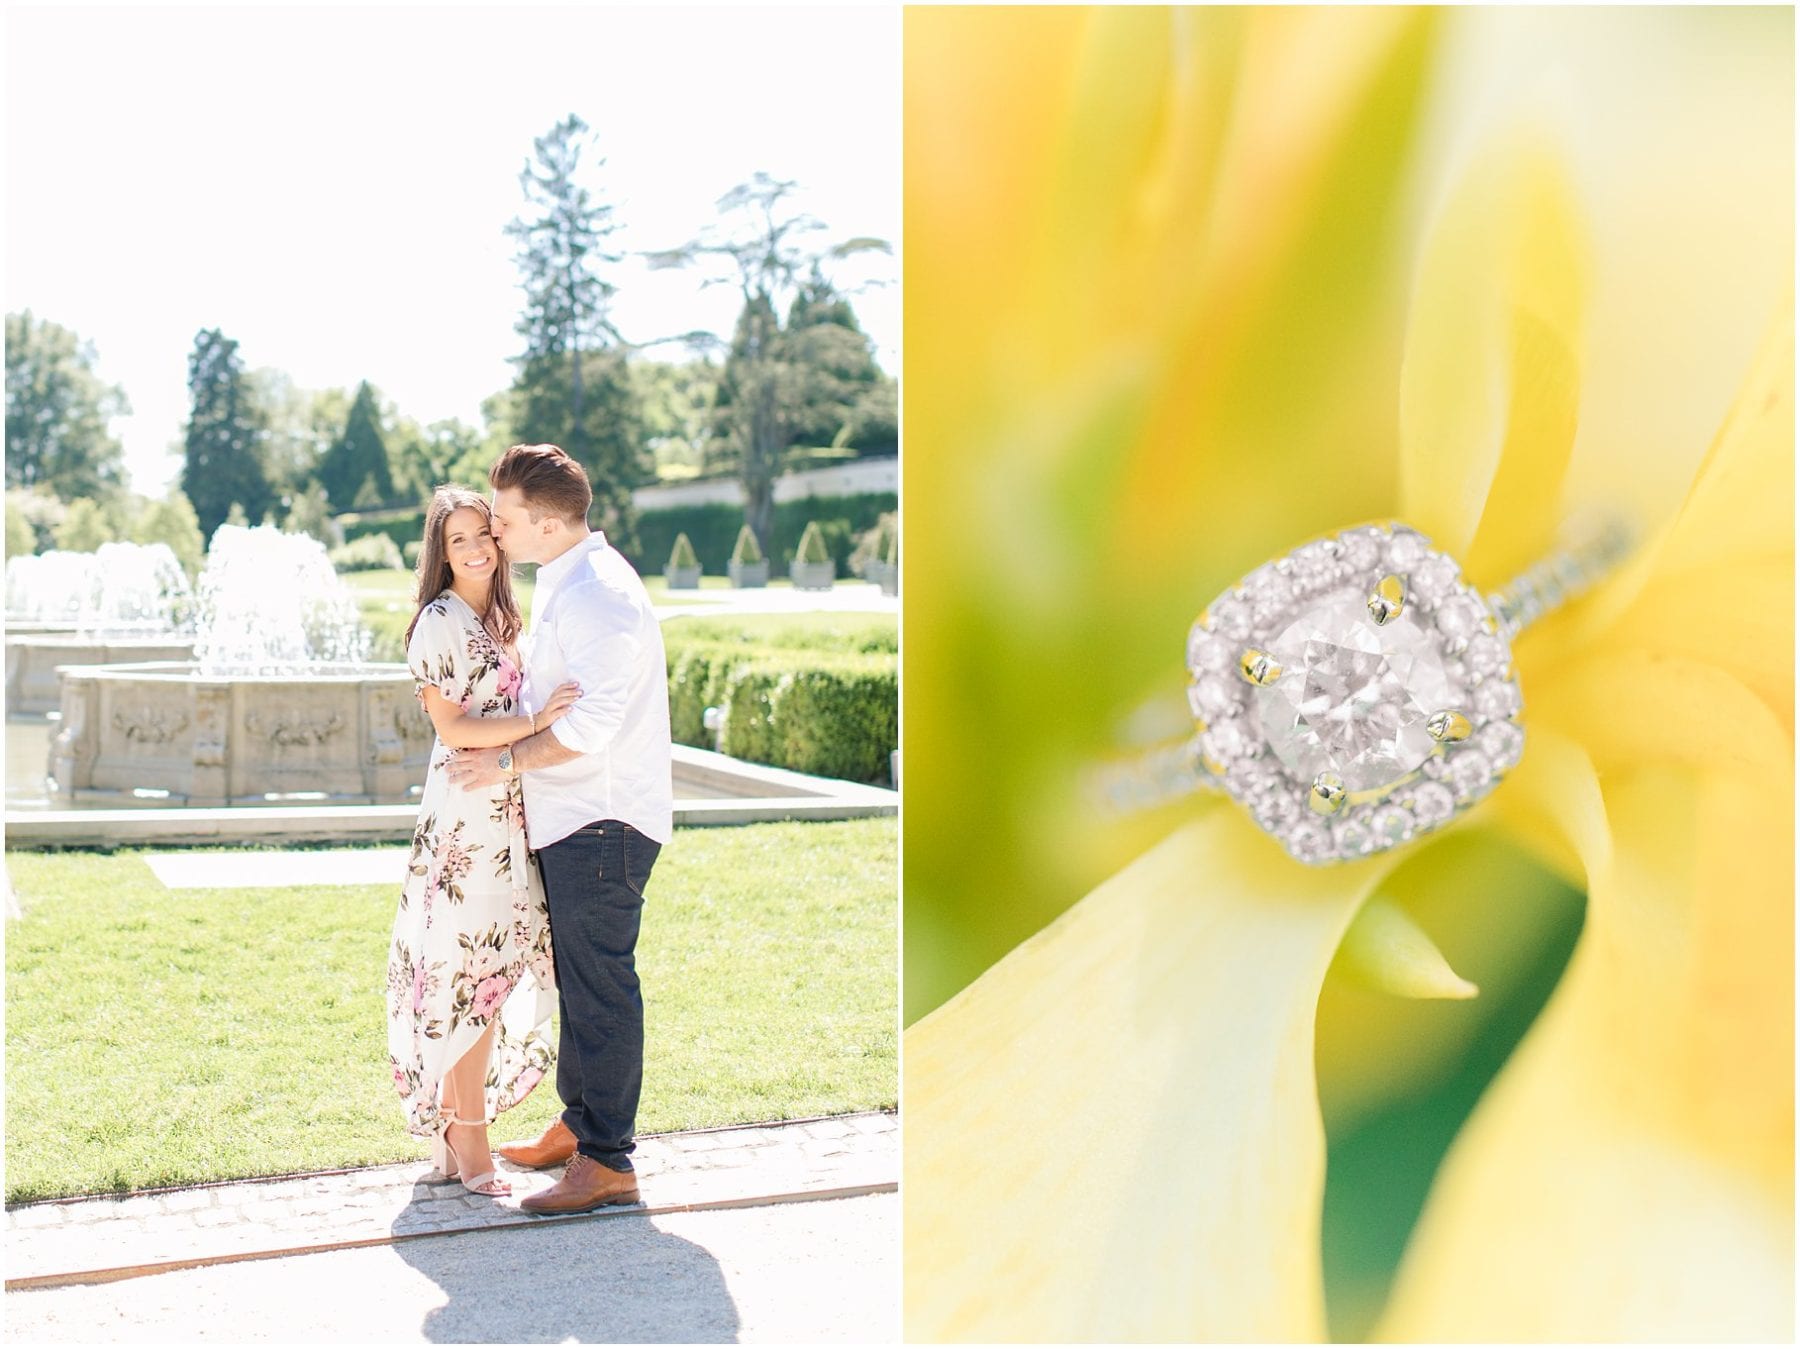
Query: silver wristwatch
[{"x": 506, "y": 763}]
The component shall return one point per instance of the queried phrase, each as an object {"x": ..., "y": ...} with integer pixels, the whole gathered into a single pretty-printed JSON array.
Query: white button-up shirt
[{"x": 591, "y": 621}]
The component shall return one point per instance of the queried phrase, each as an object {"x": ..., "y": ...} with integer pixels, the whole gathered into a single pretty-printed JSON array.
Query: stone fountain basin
[
  {"x": 348, "y": 735},
  {"x": 35, "y": 651}
]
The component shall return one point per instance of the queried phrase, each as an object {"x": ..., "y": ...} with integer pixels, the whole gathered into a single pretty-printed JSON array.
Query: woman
[{"x": 470, "y": 980}]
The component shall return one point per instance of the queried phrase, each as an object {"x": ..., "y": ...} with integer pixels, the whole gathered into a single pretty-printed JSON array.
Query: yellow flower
[{"x": 1114, "y": 291}]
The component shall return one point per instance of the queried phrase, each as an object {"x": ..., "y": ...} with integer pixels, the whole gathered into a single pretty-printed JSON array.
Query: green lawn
[
  {"x": 814, "y": 631},
  {"x": 160, "y": 1036}
]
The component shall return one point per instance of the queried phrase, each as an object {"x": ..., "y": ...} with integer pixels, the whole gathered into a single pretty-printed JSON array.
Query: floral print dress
[{"x": 472, "y": 938}]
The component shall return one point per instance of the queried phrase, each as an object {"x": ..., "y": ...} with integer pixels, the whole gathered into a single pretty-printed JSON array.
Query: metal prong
[
  {"x": 1388, "y": 600},
  {"x": 1328, "y": 795},
  {"x": 1259, "y": 667},
  {"x": 1447, "y": 727}
]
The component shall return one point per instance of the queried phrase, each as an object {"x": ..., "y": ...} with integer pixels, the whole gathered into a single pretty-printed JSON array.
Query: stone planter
[
  {"x": 890, "y": 578},
  {"x": 812, "y": 575},
  {"x": 748, "y": 575},
  {"x": 682, "y": 578}
]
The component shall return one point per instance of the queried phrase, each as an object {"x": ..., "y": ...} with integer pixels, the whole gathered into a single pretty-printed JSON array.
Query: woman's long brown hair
[{"x": 502, "y": 616}]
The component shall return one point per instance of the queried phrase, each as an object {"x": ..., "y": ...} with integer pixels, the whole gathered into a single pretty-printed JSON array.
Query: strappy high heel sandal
[{"x": 443, "y": 1157}]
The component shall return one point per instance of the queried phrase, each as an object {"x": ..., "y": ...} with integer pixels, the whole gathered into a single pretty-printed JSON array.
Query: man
[{"x": 599, "y": 805}]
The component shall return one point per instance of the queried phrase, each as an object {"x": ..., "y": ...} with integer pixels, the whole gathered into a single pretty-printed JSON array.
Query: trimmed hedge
[
  {"x": 835, "y": 714},
  {"x": 713, "y": 528},
  {"x": 837, "y": 722},
  {"x": 403, "y": 526}
]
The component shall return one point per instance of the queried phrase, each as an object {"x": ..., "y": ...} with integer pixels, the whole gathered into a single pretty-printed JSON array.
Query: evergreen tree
[
  {"x": 57, "y": 411},
  {"x": 573, "y": 388},
  {"x": 355, "y": 468},
  {"x": 849, "y": 400},
  {"x": 224, "y": 464}
]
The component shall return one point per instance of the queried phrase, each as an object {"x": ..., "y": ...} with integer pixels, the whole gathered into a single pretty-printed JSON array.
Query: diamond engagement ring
[{"x": 1358, "y": 693}]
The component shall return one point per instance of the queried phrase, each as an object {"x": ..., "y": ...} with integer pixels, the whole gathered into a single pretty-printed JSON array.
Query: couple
[{"x": 547, "y": 800}]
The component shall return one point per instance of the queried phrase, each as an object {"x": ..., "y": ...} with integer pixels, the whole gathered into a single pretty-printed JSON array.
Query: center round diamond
[{"x": 1354, "y": 696}]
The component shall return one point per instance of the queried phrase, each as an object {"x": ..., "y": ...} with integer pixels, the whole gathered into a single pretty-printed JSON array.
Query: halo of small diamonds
[{"x": 1450, "y": 627}]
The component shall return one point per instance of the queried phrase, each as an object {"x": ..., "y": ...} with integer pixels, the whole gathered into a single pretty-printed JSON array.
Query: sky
[{"x": 330, "y": 185}]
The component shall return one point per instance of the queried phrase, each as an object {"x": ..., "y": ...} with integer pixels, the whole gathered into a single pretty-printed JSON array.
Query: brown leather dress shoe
[
  {"x": 553, "y": 1148},
  {"x": 585, "y": 1185}
]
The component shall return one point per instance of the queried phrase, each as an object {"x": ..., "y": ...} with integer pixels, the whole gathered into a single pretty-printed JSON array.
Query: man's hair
[{"x": 550, "y": 481}]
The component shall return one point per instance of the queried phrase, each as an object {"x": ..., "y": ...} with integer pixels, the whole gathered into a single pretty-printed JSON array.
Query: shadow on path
[{"x": 615, "y": 1278}]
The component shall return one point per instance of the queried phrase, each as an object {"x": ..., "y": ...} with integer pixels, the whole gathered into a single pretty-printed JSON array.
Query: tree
[
  {"x": 355, "y": 468},
  {"x": 777, "y": 379},
  {"x": 851, "y": 401},
  {"x": 310, "y": 513},
  {"x": 677, "y": 403},
  {"x": 21, "y": 539},
  {"x": 421, "y": 458},
  {"x": 499, "y": 414},
  {"x": 224, "y": 454},
  {"x": 42, "y": 511},
  {"x": 299, "y": 426},
  {"x": 84, "y": 528},
  {"x": 573, "y": 388},
  {"x": 172, "y": 521},
  {"x": 57, "y": 412}
]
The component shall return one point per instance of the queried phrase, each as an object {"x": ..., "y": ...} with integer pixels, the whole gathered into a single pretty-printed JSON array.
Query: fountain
[
  {"x": 126, "y": 602},
  {"x": 278, "y": 703}
]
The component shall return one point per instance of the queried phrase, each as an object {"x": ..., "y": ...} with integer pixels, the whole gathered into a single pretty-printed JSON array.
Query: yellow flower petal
[
  {"x": 1113, "y": 1133},
  {"x": 1633, "y": 707},
  {"x": 1630, "y": 1174},
  {"x": 1391, "y": 953},
  {"x": 1491, "y": 380},
  {"x": 1687, "y": 656},
  {"x": 1659, "y": 1082},
  {"x": 1716, "y": 585},
  {"x": 1741, "y": 507}
]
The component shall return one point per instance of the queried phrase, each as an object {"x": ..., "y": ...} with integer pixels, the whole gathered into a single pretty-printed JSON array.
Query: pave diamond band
[
  {"x": 1358, "y": 692},
  {"x": 1566, "y": 574}
]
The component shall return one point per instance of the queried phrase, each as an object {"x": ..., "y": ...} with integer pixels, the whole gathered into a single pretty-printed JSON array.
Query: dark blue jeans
[{"x": 594, "y": 880}]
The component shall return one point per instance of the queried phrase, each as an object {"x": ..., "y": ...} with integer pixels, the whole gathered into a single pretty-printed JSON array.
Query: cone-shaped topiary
[
  {"x": 872, "y": 547},
  {"x": 812, "y": 545},
  {"x": 746, "y": 550},
  {"x": 682, "y": 554}
]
